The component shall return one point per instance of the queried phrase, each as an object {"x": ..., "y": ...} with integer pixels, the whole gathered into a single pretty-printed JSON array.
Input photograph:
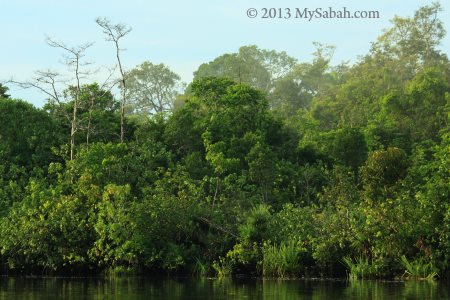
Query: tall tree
[
  {"x": 151, "y": 88},
  {"x": 73, "y": 61},
  {"x": 412, "y": 42},
  {"x": 114, "y": 33},
  {"x": 307, "y": 80},
  {"x": 251, "y": 65}
]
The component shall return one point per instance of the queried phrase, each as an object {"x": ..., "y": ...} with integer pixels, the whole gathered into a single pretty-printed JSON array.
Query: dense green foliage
[
  {"x": 265, "y": 167},
  {"x": 3, "y": 90}
]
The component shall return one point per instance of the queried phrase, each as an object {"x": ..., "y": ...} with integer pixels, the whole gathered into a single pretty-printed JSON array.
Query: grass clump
[
  {"x": 201, "y": 268},
  {"x": 419, "y": 269},
  {"x": 361, "y": 268},
  {"x": 281, "y": 261}
]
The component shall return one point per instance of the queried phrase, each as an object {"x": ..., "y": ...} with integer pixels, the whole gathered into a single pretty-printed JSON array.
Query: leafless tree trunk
[
  {"x": 73, "y": 60},
  {"x": 91, "y": 108},
  {"x": 114, "y": 32}
]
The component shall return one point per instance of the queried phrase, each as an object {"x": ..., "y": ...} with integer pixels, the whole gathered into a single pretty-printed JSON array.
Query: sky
[{"x": 181, "y": 34}]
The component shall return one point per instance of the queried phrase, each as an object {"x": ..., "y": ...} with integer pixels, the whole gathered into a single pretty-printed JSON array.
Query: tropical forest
[{"x": 262, "y": 166}]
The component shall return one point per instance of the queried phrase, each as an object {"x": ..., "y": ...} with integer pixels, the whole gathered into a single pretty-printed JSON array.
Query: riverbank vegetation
[{"x": 262, "y": 166}]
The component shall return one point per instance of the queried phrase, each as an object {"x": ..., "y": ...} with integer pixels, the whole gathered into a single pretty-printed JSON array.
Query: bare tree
[
  {"x": 73, "y": 60},
  {"x": 48, "y": 82},
  {"x": 114, "y": 32},
  {"x": 45, "y": 81}
]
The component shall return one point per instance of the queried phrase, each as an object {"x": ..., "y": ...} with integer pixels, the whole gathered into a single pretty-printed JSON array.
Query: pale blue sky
[{"x": 181, "y": 34}]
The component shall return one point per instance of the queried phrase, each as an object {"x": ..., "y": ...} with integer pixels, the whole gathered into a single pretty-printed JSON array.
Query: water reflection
[{"x": 182, "y": 288}]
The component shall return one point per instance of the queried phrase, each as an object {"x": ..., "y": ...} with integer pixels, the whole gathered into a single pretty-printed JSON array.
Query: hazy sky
[{"x": 181, "y": 34}]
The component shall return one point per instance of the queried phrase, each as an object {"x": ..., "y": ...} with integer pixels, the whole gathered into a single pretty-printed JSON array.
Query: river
[{"x": 131, "y": 288}]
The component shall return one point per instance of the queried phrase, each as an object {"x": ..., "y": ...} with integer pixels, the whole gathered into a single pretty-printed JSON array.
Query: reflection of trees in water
[
  {"x": 360, "y": 289},
  {"x": 209, "y": 288}
]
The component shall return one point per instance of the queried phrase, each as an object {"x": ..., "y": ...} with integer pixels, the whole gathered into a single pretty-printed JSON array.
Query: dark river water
[{"x": 189, "y": 288}]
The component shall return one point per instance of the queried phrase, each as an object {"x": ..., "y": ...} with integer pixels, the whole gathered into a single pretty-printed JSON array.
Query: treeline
[{"x": 263, "y": 166}]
